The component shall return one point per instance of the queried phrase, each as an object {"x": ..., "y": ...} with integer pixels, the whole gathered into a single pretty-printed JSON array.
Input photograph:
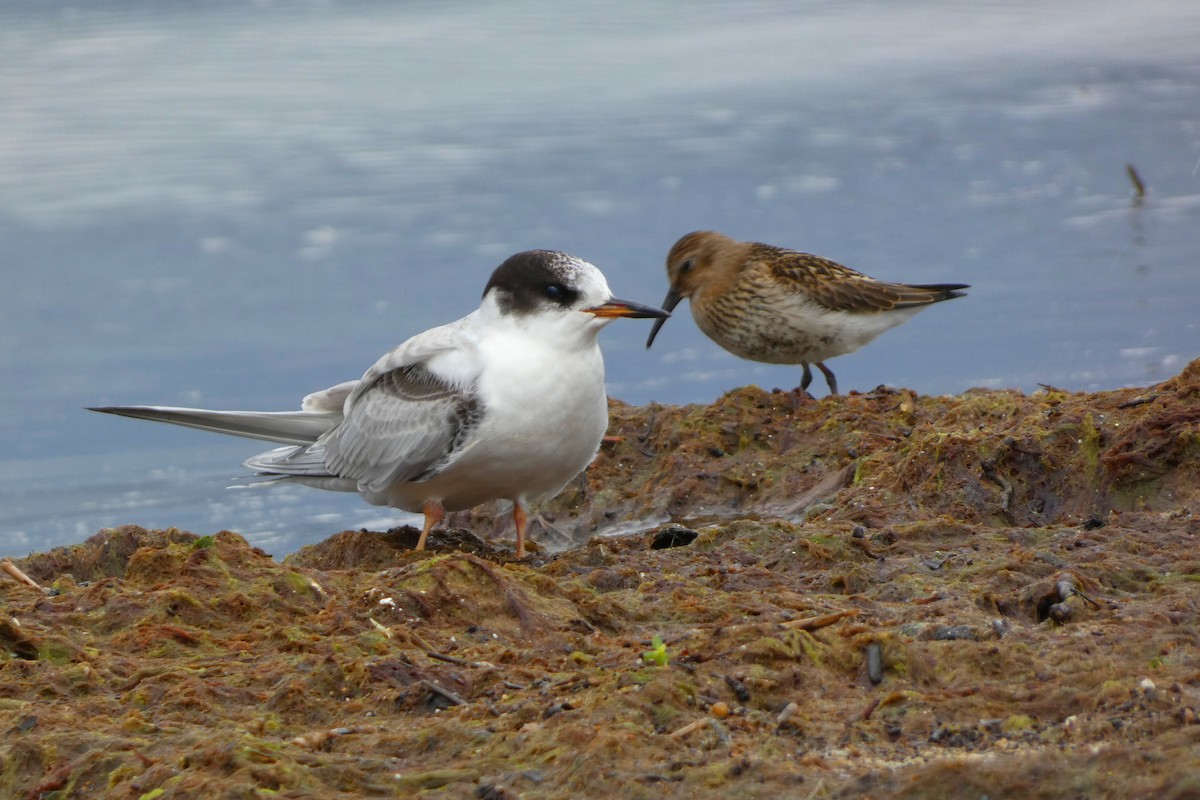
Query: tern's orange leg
[
  {"x": 522, "y": 520},
  {"x": 434, "y": 513}
]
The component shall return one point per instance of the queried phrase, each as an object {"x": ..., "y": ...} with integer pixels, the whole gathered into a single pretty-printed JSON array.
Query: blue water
[{"x": 235, "y": 204}]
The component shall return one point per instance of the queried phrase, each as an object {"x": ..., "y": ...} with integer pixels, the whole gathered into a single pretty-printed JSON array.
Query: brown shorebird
[{"x": 780, "y": 306}]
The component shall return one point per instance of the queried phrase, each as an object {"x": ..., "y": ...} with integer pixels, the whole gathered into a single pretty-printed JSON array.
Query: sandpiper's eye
[
  {"x": 555, "y": 291},
  {"x": 686, "y": 266}
]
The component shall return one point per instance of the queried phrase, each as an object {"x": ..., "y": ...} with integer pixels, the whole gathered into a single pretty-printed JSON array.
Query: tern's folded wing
[
  {"x": 331, "y": 399},
  {"x": 404, "y": 425},
  {"x": 307, "y": 460}
]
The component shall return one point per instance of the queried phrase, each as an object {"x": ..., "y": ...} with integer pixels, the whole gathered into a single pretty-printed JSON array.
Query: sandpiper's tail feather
[{"x": 946, "y": 291}]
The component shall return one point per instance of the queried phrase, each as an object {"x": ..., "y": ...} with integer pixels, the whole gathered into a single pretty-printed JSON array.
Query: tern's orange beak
[{"x": 626, "y": 308}]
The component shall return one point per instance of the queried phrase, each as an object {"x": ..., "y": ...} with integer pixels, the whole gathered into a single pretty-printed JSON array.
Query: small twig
[
  {"x": 806, "y": 624},
  {"x": 1139, "y": 401},
  {"x": 17, "y": 575},
  {"x": 1139, "y": 188},
  {"x": 691, "y": 727},
  {"x": 878, "y": 701},
  {"x": 446, "y": 693},
  {"x": 866, "y": 713},
  {"x": 462, "y": 662},
  {"x": 823, "y": 621},
  {"x": 572, "y": 682},
  {"x": 413, "y": 638}
]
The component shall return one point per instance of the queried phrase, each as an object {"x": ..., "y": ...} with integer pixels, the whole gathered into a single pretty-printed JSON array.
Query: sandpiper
[
  {"x": 781, "y": 306},
  {"x": 505, "y": 403}
]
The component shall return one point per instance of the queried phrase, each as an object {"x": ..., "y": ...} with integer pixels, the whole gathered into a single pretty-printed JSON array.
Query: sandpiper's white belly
[{"x": 788, "y": 328}]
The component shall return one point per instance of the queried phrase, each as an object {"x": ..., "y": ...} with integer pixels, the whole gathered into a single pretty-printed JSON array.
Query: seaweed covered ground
[{"x": 879, "y": 595}]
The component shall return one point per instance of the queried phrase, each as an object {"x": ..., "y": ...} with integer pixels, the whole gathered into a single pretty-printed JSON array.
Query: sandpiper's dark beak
[
  {"x": 672, "y": 300},
  {"x": 626, "y": 308}
]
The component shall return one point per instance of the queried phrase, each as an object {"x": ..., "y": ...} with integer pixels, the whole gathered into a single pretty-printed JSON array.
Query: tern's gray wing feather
[
  {"x": 330, "y": 400},
  {"x": 287, "y": 427},
  {"x": 406, "y": 424},
  {"x": 307, "y": 460}
]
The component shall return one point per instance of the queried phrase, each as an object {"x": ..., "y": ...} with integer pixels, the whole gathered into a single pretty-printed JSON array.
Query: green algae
[{"x": 657, "y": 654}]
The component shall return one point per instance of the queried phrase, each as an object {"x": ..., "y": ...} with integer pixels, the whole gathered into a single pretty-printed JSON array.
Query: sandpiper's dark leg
[
  {"x": 806, "y": 379},
  {"x": 832, "y": 381}
]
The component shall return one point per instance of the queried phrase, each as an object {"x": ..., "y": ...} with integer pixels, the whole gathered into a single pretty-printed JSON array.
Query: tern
[{"x": 506, "y": 403}]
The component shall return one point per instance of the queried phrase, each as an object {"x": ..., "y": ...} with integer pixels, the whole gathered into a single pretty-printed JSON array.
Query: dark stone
[{"x": 674, "y": 536}]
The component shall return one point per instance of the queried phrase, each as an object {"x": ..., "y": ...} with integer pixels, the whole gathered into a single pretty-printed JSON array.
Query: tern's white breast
[{"x": 544, "y": 413}]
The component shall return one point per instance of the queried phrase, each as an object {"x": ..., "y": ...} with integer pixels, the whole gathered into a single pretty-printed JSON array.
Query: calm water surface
[{"x": 235, "y": 205}]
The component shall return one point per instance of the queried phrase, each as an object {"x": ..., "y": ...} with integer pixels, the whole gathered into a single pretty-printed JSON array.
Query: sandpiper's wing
[{"x": 840, "y": 288}]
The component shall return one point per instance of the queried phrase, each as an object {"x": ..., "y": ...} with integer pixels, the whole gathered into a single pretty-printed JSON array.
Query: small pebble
[
  {"x": 719, "y": 709},
  {"x": 874, "y": 663},
  {"x": 739, "y": 689},
  {"x": 949, "y": 633}
]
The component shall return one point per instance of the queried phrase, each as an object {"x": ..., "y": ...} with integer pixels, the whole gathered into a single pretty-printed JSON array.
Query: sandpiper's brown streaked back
[{"x": 780, "y": 306}]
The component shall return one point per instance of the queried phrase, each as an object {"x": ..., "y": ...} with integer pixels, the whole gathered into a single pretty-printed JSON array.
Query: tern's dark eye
[{"x": 555, "y": 291}]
